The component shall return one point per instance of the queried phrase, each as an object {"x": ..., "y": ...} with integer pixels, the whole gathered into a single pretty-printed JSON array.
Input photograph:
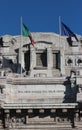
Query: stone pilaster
[
  {"x": 49, "y": 58},
  {"x": 26, "y": 119},
  {"x": 49, "y": 61},
  {"x": 21, "y": 60},
  {"x": 62, "y": 62},
  {"x": 32, "y": 60}
]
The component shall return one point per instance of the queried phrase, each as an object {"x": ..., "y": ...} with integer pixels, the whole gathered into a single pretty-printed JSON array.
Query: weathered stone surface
[{"x": 40, "y": 86}]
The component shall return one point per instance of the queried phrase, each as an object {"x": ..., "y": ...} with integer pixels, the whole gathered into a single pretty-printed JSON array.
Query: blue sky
[{"x": 40, "y": 15}]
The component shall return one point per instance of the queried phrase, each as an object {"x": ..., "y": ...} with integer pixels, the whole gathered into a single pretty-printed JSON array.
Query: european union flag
[{"x": 65, "y": 30}]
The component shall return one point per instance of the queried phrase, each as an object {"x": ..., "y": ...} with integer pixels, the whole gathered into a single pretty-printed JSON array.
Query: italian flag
[{"x": 26, "y": 33}]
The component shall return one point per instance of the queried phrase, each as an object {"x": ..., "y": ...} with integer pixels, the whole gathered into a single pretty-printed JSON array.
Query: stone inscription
[
  {"x": 36, "y": 93},
  {"x": 40, "y": 89},
  {"x": 50, "y": 91}
]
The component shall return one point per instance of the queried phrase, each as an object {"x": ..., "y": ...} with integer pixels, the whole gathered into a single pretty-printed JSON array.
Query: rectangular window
[
  {"x": 1, "y": 90},
  {"x": 56, "y": 60},
  {"x": 27, "y": 60},
  {"x": 41, "y": 59}
]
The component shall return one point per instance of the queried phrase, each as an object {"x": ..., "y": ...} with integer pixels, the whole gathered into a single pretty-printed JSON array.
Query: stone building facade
[{"x": 40, "y": 85}]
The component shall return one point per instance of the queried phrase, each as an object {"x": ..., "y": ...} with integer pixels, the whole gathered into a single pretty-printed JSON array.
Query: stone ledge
[
  {"x": 38, "y": 106},
  {"x": 46, "y": 127},
  {"x": 24, "y": 81}
]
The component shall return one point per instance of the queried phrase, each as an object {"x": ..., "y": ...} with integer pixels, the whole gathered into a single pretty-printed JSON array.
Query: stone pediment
[{"x": 42, "y": 44}]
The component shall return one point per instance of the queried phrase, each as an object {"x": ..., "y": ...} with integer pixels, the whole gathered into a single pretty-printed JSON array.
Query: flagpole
[
  {"x": 59, "y": 32},
  {"x": 21, "y": 47},
  {"x": 61, "y": 52},
  {"x": 60, "y": 25}
]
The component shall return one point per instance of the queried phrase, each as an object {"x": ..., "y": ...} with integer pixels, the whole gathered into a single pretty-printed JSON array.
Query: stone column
[
  {"x": 62, "y": 62},
  {"x": 1, "y": 119},
  {"x": 21, "y": 60},
  {"x": 7, "y": 119},
  {"x": 32, "y": 60},
  {"x": 19, "y": 56},
  {"x": 49, "y": 61},
  {"x": 49, "y": 58},
  {"x": 77, "y": 118},
  {"x": 26, "y": 119}
]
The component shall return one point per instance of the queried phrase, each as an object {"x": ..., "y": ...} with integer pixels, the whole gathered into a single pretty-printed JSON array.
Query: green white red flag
[{"x": 26, "y": 33}]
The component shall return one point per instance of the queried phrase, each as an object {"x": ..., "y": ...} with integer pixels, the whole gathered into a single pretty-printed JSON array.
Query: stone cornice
[
  {"x": 38, "y": 106},
  {"x": 26, "y": 81}
]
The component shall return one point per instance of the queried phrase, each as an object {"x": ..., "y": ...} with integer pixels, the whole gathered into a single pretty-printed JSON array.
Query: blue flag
[{"x": 66, "y": 31}]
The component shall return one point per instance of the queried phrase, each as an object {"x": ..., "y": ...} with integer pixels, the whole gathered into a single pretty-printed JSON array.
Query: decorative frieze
[{"x": 39, "y": 116}]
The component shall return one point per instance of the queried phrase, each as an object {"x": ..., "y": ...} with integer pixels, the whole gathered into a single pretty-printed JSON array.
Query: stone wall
[{"x": 40, "y": 85}]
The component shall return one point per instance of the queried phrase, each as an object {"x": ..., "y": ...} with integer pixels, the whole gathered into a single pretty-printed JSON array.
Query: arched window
[
  {"x": 69, "y": 61},
  {"x": 79, "y": 61}
]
